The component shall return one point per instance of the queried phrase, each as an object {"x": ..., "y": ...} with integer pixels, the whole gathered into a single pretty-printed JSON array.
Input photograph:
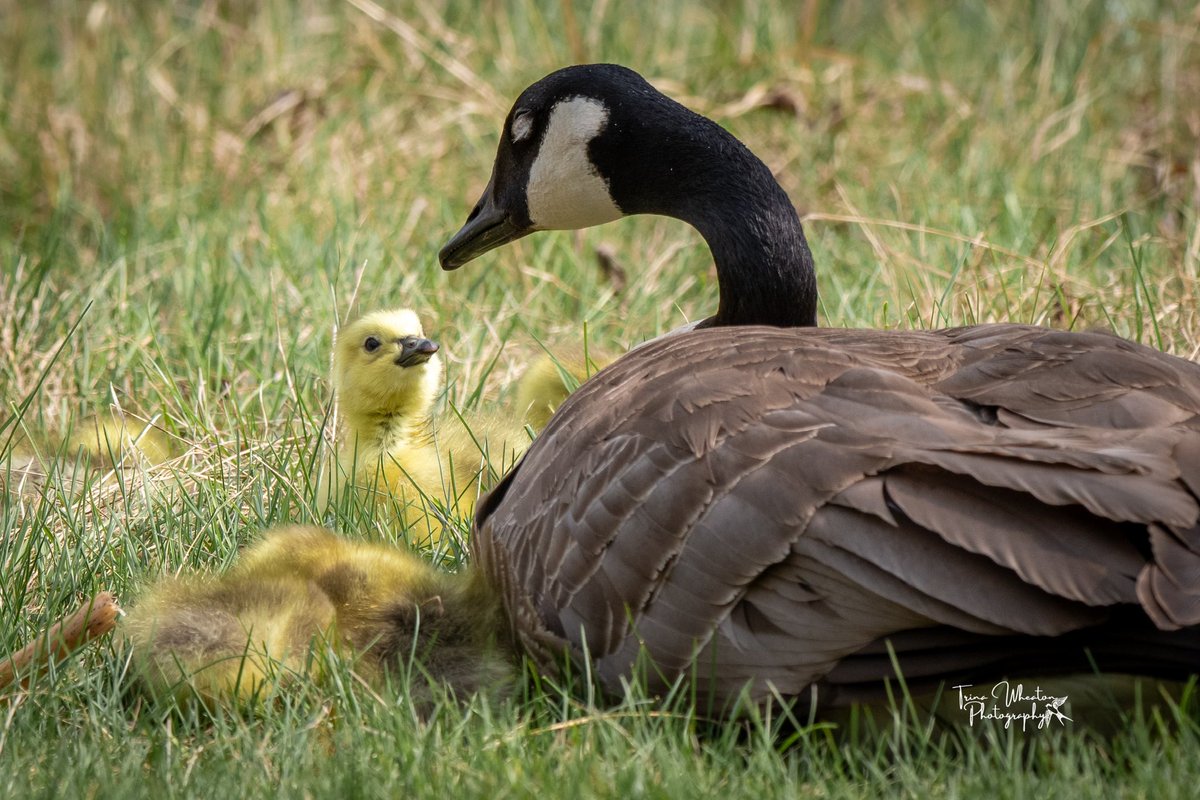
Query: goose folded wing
[{"x": 1035, "y": 376}]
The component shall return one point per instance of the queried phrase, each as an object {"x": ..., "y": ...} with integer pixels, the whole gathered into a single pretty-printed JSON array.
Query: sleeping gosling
[
  {"x": 230, "y": 639},
  {"x": 107, "y": 440},
  {"x": 112, "y": 439}
]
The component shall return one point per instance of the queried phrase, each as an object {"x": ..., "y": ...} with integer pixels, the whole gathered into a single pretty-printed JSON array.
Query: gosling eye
[
  {"x": 522, "y": 125},
  {"x": 371, "y": 344}
]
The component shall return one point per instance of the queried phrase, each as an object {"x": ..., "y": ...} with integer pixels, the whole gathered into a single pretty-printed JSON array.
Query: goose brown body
[{"x": 768, "y": 506}]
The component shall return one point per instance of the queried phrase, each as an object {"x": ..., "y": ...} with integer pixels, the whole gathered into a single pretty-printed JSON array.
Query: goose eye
[
  {"x": 522, "y": 125},
  {"x": 371, "y": 344}
]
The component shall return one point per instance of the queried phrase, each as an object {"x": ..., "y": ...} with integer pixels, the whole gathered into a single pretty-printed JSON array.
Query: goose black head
[
  {"x": 591, "y": 143},
  {"x": 545, "y": 176}
]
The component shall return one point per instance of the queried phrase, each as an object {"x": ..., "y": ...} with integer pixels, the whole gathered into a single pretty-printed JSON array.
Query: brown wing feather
[{"x": 761, "y": 506}]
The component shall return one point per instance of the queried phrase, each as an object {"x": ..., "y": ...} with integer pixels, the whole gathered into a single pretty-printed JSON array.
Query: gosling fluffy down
[
  {"x": 112, "y": 439},
  {"x": 550, "y": 378},
  {"x": 108, "y": 440},
  {"x": 232, "y": 638}
]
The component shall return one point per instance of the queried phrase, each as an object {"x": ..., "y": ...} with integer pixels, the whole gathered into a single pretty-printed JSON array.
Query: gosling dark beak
[
  {"x": 487, "y": 227},
  {"x": 415, "y": 351}
]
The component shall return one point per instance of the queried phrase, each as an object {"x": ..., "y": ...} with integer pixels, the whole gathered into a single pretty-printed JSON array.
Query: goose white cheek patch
[{"x": 565, "y": 191}]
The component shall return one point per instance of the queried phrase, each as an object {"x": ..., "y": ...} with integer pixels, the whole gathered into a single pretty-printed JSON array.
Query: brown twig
[{"x": 90, "y": 621}]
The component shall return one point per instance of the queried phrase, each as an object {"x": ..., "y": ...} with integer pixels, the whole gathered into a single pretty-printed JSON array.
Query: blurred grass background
[{"x": 193, "y": 193}]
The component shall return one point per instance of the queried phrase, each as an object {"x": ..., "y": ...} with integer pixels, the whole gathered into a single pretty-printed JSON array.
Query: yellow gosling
[
  {"x": 112, "y": 439},
  {"x": 105, "y": 441},
  {"x": 231, "y": 638},
  {"x": 387, "y": 375},
  {"x": 550, "y": 378}
]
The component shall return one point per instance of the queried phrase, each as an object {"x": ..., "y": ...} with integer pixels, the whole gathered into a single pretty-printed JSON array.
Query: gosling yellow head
[{"x": 385, "y": 367}]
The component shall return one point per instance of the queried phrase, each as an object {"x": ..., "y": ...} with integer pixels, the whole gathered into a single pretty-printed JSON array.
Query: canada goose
[
  {"x": 387, "y": 375},
  {"x": 588, "y": 144},
  {"x": 786, "y": 510},
  {"x": 225, "y": 638}
]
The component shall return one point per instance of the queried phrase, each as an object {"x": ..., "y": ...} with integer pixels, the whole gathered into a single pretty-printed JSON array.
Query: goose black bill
[{"x": 489, "y": 226}]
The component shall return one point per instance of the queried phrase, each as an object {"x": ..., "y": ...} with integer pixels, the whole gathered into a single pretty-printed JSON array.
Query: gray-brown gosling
[{"x": 231, "y": 639}]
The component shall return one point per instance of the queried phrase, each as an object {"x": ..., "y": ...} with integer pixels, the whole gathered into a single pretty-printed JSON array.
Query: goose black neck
[
  {"x": 764, "y": 267},
  {"x": 692, "y": 169}
]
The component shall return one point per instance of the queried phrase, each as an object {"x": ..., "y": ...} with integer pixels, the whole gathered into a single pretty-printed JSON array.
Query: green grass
[{"x": 191, "y": 197}]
